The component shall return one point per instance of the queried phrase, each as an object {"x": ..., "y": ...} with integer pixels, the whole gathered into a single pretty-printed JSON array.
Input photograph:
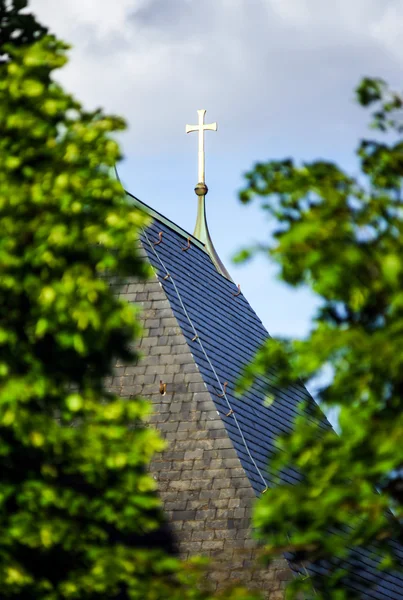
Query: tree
[
  {"x": 79, "y": 515},
  {"x": 343, "y": 238}
]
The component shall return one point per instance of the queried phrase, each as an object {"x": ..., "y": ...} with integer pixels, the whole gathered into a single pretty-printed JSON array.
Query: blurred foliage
[
  {"x": 79, "y": 515},
  {"x": 342, "y": 237}
]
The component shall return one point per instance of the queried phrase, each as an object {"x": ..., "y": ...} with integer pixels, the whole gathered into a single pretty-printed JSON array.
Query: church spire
[{"x": 201, "y": 231}]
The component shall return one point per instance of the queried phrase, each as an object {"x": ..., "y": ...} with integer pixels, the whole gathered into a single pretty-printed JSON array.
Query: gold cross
[{"x": 201, "y": 128}]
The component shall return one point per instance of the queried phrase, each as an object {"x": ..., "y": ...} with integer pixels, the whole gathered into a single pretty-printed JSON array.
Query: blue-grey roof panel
[{"x": 231, "y": 332}]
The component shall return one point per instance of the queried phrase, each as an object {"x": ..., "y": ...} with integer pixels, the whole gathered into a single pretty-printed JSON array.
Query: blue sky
[{"x": 278, "y": 77}]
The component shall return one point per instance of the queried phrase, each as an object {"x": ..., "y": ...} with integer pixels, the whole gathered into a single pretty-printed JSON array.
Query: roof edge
[{"x": 159, "y": 217}]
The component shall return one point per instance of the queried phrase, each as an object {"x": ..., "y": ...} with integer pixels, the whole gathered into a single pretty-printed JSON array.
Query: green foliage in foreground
[
  {"x": 77, "y": 509},
  {"x": 342, "y": 237}
]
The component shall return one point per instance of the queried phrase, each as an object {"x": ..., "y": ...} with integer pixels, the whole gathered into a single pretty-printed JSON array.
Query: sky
[{"x": 278, "y": 76}]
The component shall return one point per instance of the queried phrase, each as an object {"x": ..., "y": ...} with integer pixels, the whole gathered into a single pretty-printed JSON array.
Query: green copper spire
[{"x": 201, "y": 231}]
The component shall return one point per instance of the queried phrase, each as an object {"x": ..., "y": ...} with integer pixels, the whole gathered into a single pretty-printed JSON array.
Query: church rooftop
[{"x": 223, "y": 334}]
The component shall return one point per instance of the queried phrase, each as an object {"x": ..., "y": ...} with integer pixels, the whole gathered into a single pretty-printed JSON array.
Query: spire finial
[{"x": 201, "y": 231}]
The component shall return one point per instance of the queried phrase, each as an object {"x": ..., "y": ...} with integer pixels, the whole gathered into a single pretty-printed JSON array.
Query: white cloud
[
  {"x": 154, "y": 61},
  {"x": 388, "y": 29}
]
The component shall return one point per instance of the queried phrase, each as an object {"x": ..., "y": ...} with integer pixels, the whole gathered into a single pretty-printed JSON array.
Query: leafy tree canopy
[
  {"x": 342, "y": 237},
  {"x": 78, "y": 511}
]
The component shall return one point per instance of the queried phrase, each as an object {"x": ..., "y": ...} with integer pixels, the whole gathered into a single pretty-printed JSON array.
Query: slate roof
[{"x": 231, "y": 332}]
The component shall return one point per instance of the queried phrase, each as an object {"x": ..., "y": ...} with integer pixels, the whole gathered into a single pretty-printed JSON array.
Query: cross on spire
[{"x": 201, "y": 128}]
